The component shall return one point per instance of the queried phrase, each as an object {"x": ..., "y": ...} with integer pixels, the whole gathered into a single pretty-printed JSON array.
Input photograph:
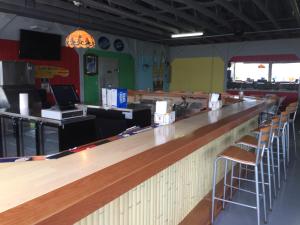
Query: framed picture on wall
[{"x": 90, "y": 64}]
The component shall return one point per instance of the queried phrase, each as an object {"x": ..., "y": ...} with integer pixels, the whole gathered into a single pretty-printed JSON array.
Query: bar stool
[
  {"x": 273, "y": 110},
  {"x": 252, "y": 142},
  {"x": 280, "y": 135},
  {"x": 292, "y": 110},
  {"x": 283, "y": 135},
  {"x": 235, "y": 154}
]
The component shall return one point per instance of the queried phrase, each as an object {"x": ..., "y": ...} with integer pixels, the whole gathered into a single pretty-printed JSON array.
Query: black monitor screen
[
  {"x": 65, "y": 95},
  {"x": 38, "y": 45}
]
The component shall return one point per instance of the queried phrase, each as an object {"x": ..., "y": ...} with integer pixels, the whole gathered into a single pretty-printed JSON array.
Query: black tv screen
[
  {"x": 40, "y": 46},
  {"x": 64, "y": 94}
]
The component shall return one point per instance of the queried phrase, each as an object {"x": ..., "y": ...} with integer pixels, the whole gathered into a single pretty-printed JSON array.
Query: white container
[
  {"x": 161, "y": 107},
  {"x": 164, "y": 119},
  {"x": 241, "y": 95},
  {"x": 24, "y": 104},
  {"x": 104, "y": 97}
]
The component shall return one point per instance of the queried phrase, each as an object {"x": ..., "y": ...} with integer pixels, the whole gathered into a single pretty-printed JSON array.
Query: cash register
[{"x": 65, "y": 97}]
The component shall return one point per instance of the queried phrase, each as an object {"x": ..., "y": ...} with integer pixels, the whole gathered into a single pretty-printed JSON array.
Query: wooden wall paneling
[{"x": 174, "y": 191}]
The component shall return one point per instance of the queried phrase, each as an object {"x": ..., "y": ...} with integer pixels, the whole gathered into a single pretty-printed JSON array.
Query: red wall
[{"x": 9, "y": 50}]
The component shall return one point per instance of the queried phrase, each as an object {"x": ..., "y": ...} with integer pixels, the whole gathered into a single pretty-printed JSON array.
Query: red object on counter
[{"x": 85, "y": 147}]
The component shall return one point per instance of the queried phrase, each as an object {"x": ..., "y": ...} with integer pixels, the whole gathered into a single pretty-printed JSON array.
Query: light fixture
[
  {"x": 182, "y": 35},
  {"x": 80, "y": 38},
  {"x": 261, "y": 66}
]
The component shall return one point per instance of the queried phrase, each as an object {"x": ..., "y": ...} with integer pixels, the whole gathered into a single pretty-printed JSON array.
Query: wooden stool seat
[
  {"x": 248, "y": 141},
  {"x": 239, "y": 155},
  {"x": 256, "y": 130},
  {"x": 266, "y": 124}
]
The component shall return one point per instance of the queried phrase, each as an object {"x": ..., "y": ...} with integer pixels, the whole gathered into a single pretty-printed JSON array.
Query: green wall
[{"x": 126, "y": 75}]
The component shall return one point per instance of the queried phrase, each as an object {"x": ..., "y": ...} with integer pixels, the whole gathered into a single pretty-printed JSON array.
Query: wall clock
[
  {"x": 104, "y": 43},
  {"x": 119, "y": 45}
]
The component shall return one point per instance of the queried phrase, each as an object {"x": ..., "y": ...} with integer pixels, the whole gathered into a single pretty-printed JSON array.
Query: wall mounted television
[{"x": 39, "y": 46}]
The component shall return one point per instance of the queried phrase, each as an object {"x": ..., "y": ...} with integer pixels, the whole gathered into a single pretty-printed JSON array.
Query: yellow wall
[{"x": 197, "y": 74}]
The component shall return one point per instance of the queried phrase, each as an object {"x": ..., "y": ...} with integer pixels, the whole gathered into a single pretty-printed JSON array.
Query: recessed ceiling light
[{"x": 194, "y": 34}]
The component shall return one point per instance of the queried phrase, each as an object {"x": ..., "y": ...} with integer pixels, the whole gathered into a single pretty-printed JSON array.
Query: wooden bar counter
[{"x": 152, "y": 178}]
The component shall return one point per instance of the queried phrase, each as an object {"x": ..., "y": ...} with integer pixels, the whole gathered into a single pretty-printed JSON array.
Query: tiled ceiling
[{"x": 156, "y": 20}]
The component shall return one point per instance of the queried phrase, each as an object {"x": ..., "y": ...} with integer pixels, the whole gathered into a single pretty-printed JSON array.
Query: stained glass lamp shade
[{"x": 80, "y": 39}]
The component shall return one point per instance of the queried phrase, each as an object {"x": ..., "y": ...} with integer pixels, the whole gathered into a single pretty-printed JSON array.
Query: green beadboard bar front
[{"x": 167, "y": 197}]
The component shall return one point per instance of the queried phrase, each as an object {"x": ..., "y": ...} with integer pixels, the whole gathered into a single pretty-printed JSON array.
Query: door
[{"x": 109, "y": 73}]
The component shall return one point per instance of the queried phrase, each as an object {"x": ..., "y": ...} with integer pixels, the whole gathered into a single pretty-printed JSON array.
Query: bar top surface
[{"x": 25, "y": 181}]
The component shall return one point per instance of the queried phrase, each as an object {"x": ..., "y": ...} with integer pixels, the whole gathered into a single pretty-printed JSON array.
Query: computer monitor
[{"x": 65, "y": 96}]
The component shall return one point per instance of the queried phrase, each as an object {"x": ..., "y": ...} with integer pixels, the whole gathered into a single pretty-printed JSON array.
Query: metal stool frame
[
  {"x": 270, "y": 161},
  {"x": 264, "y": 137},
  {"x": 292, "y": 110}
]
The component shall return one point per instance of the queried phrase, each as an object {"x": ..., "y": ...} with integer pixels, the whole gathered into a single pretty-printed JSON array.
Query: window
[
  {"x": 286, "y": 72},
  {"x": 255, "y": 71}
]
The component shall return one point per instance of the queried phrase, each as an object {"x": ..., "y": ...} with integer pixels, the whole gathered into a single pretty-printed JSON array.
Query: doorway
[{"x": 108, "y": 74}]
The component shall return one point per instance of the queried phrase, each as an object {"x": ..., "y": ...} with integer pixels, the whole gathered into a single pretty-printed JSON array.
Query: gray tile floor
[{"x": 286, "y": 207}]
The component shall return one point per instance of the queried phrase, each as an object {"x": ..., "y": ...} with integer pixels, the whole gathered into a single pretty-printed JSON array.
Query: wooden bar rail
[{"x": 66, "y": 190}]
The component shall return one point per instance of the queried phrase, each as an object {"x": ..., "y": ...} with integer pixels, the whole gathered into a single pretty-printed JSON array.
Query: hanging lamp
[{"x": 80, "y": 38}]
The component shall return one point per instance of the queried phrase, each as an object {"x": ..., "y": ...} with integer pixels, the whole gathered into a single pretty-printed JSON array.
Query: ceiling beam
[
  {"x": 104, "y": 16},
  {"x": 206, "y": 12},
  {"x": 151, "y": 13},
  {"x": 267, "y": 12},
  {"x": 57, "y": 16},
  {"x": 107, "y": 8},
  {"x": 194, "y": 20},
  {"x": 89, "y": 19},
  {"x": 296, "y": 11},
  {"x": 229, "y": 7}
]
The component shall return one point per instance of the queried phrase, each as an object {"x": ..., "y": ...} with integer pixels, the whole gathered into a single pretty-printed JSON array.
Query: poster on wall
[
  {"x": 49, "y": 72},
  {"x": 158, "y": 73},
  {"x": 90, "y": 64}
]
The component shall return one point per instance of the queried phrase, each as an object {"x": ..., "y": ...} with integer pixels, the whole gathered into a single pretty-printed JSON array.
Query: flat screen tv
[{"x": 40, "y": 46}]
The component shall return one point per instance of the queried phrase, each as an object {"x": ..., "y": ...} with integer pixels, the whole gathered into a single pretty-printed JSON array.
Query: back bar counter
[{"x": 153, "y": 178}]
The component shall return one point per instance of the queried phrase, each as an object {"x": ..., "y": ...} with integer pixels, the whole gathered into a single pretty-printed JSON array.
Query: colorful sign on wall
[{"x": 50, "y": 71}]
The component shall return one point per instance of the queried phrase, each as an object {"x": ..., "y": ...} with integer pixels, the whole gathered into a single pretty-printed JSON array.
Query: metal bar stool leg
[
  {"x": 263, "y": 191},
  {"x": 269, "y": 180},
  {"x": 240, "y": 173},
  {"x": 288, "y": 143},
  {"x": 273, "y": 170},
  {"x": 278, "y": 162},
  {"x": 225, "y": 183},
  {"x": 284, "y": 154},
  {"x": 294, "y": 136},
  {"x": 257, "y": 196},
  {"x": 214, "y": 191},
  {"x": 231, "y": 179}
]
